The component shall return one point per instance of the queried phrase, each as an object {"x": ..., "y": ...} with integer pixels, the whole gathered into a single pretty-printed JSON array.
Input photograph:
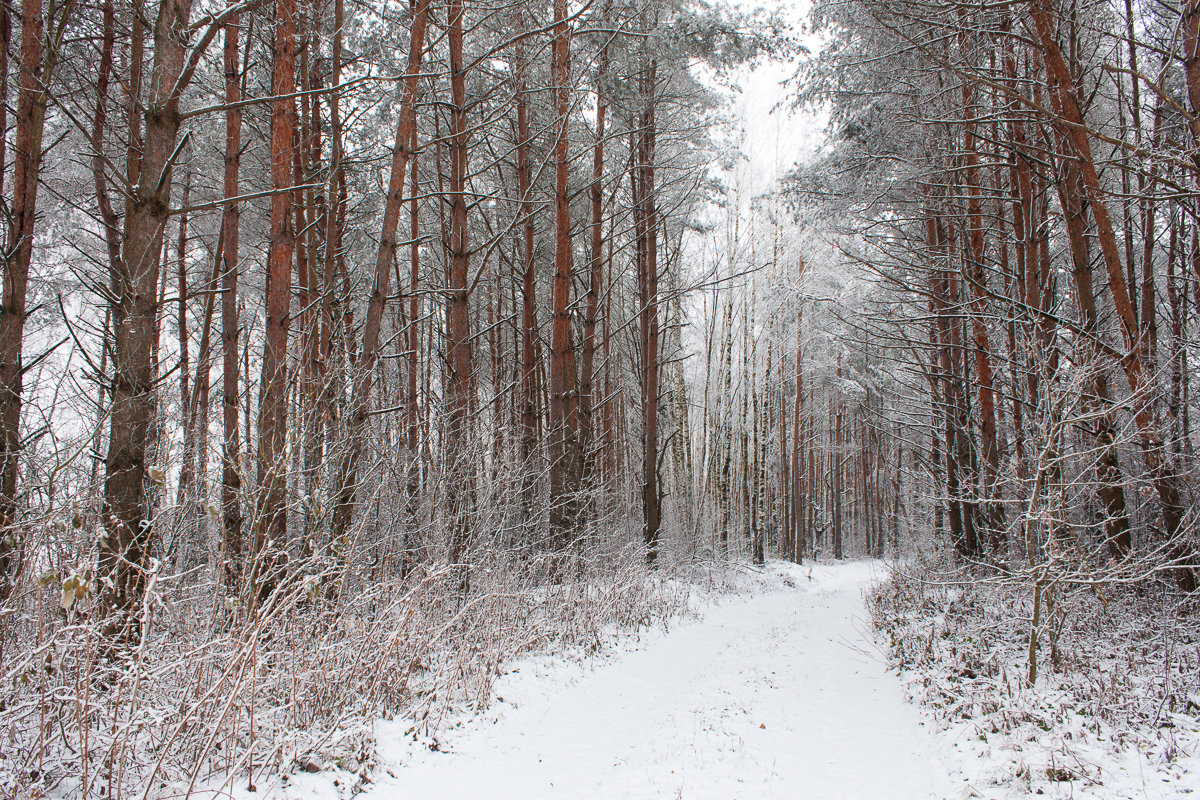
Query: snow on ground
[
  {"x": 776, "y": 694},
  {"x": 776, "y": 691},
  {"x": 966, "y": 667}
]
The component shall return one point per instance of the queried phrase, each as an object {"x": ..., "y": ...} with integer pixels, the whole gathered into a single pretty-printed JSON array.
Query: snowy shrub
[
  {"x": 211, "y": 700},
  {"x": 1120, "y": 668}
]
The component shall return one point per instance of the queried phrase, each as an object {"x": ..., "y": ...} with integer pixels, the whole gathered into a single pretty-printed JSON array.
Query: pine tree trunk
[
  {"x": 564, "y": 415},
  {"x": 231, "y": 460},
  {"x": 34, "y": 72},
  {"x": 271, "y": 536},
  {"x": 1064, "y": 100},
  {"x": 368, "y": 353},
  {"x": 587, "y": 377},
  {"x": 1097, "y": 400},
  {"x": 458, "y": 335},
  {"x": 529, "y": 364},
  {"x": 647, "y": 235},
  {"x": 128, "y": 539},
  {"x": 976, "y": 277},
  {"x": 186, "y": 469}
]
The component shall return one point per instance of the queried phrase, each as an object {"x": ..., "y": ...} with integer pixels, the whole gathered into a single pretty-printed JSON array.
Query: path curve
[{"x": 779, "y": 694}]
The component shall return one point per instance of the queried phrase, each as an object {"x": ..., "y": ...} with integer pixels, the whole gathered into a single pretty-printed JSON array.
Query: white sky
[{"x": 775, "y": 135}]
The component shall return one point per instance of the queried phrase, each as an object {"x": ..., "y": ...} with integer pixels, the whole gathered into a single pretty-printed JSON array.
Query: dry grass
[{"x": 212, "y": 696}]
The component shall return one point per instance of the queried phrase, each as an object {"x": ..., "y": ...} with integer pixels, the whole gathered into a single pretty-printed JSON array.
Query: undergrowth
[
  {"x": 1119, "y": 667},
  {"x": 211, "y": 699}
]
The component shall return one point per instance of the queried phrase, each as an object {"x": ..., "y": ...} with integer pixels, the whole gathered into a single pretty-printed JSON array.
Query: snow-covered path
[{"x": 779, "y": 694}]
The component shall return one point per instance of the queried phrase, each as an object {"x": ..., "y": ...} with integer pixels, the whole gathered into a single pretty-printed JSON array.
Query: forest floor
[{"x": 779, "y": 689}]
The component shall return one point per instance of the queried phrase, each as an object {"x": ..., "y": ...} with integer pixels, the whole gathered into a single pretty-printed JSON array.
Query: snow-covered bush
[
  {"x": 1120, "y": 670},
  {"x": 214, "y": 699}
]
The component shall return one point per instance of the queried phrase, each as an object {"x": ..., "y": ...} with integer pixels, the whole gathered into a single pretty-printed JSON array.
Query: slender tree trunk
[
  {"x": 1064, "y": 100},
  {"x": 1097, "y": 400},
  {"x": 725, "y": 486},
  {"x": 414, "y": 338},
  {"x": 334, "y": 225},
  {"x": 187, "y": 468},
  {"x": 645, "y": 201},
  {"x": 528, "y": 437},
  {"x": 377, "y": 302},
  {"x": 977, "y": 278},
  {"x": 836, "y": 469},
  {"x": 271, "y": 536},
  {"x": 308, "y": 392},
  {"x": 108, "y": 217},
  {"x": 800, "y": 499},
  {"x": 458, "y": 333},
  {"x": 961, "y": 531},
  {"x": 128, "y": 539},
  {"x": 587, "y": 400},
  {"x": 34, "y": 71},
  {"x": 1021, "y": 198},
  {"x": 564, "y": 415},
  {"x": 1190, "y": 19},
  {"x": 231, "y": 462}
]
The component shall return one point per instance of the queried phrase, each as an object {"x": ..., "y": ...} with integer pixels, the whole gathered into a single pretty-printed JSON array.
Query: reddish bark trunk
[
  {"x": 186, "y": 469},
  {"x": 960, "y": 518},
  {"x": 564, "y": 418},
  {"x": 977, "y": 278},
  {"x": 1064, "y": 100},
  {"x": 1190, "y": 19},
  {"x": 270, "y": 545},
  {"x": 1097, "y": 400},
  {"x": 529, "y": 365},
  {"x": 34, "y": 73}
]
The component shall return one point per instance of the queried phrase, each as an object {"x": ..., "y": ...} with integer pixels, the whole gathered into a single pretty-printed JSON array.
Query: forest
[{"x": 351, "y": 353}]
